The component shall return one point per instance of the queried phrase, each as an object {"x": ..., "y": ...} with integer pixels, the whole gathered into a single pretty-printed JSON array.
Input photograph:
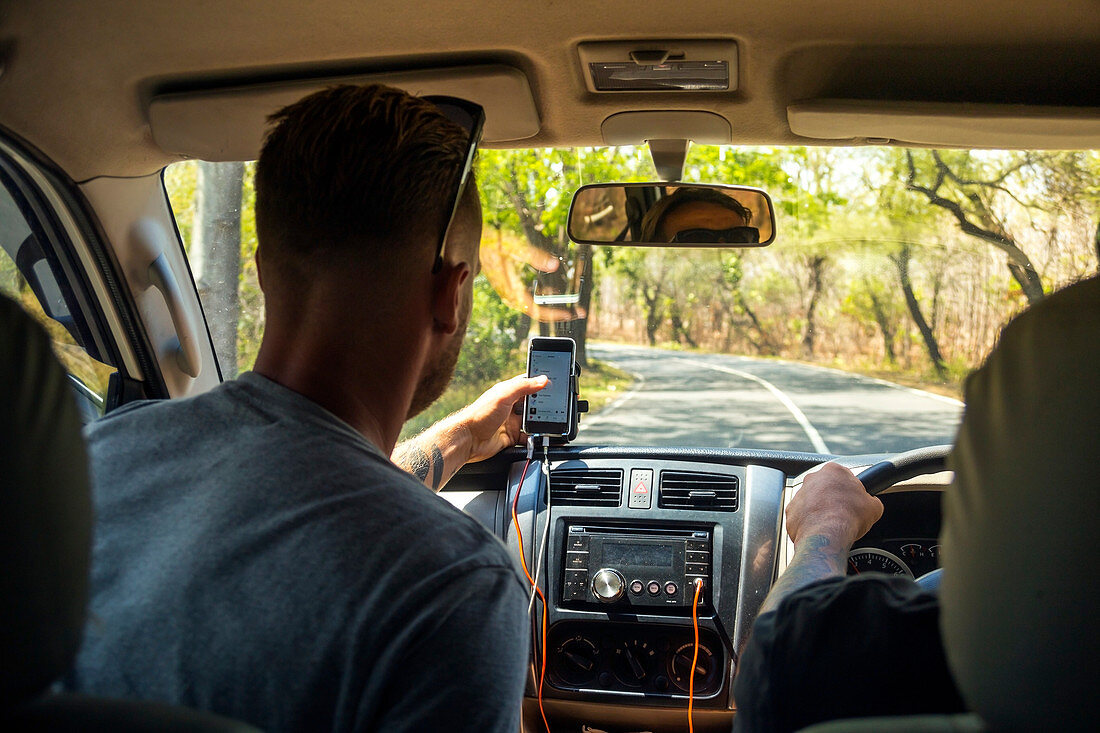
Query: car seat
[
  {"x": 1019, "y": 599},
  {"x": 45, "y": 549}
]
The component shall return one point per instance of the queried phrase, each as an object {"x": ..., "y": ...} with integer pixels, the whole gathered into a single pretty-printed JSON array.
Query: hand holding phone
[{"x": 551, "y": 411}]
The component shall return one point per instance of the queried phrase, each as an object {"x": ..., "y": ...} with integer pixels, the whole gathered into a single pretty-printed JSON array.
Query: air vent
[
  {"x": 588, "y": 487},
  {"x": 700, "y": 491}
]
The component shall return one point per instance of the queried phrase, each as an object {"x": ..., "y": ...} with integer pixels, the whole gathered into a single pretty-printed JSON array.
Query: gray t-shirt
[{"x": 257, "y": 557}]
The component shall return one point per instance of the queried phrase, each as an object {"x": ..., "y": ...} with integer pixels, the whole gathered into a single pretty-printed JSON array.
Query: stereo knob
[{"x": 608, "y": 585}]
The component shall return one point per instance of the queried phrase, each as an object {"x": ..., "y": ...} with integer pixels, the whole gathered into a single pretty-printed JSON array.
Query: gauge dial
[
  {"x": 706, "y": 668},
  {"x": 873, "y": 560},
  {"x": 575, "y": 660},
  {"x": 633, "y": 662},
  {"x": 913, "y": 553}
]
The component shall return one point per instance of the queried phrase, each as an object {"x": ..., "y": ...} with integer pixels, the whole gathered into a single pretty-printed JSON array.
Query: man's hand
[
  {"x": 474, "y": 433},
  {"x": 832, "y": 502},
  {"x": 830, "y": 512},
  {"x": 491, "y": 421}
]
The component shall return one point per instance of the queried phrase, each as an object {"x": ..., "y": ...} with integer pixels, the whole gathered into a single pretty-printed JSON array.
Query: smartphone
[{"x": 552, "y": 410}]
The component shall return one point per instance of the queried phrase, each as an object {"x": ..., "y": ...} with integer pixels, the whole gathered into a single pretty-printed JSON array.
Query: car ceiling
[{"x": 77, "y": 78}]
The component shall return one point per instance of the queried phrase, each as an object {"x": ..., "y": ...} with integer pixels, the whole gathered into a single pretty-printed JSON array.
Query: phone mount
[{"x": 579, "y": 406}]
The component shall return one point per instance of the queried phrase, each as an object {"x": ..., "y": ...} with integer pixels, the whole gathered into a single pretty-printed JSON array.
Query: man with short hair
[
  {"x": 257, "y": 553},
  {"x": 699, "y": 215}
]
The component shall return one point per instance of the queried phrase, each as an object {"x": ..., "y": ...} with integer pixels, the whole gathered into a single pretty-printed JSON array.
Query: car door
[{"x": 115, "y": 321}]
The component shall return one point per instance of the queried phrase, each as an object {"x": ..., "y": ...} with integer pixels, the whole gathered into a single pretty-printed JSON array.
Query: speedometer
[{"x": 873, "y": 560}]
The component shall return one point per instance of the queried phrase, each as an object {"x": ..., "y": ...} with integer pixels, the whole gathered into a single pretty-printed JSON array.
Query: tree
[
  {"x": 528, "y": 192},
  {"x": 969, "y": 190},
  {"x": 901, "y": 260},
  {"x": 216, "y": 255}
]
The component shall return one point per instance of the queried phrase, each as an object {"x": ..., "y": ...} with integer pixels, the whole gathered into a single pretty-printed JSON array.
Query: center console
[{"x": 627, "y": 539}]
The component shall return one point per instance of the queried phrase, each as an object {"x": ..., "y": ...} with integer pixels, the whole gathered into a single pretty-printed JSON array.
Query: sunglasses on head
[
  {"x": 733, "y": 235},
  {"x": 471, "y": 118}
]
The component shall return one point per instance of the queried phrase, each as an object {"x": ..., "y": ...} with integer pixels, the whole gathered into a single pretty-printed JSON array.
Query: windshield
[{"x": 892, "y": 274}]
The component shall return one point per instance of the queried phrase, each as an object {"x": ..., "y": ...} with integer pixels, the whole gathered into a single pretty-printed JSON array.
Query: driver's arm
[
  {"x": 474, "y": 433},
  {"x": 830, "y": 512}
]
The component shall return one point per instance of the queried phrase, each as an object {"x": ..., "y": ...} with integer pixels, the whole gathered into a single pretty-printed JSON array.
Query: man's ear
[{"x": 447, "y": 296}]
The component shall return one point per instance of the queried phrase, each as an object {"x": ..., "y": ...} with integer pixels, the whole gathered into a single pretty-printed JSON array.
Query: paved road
[{"x": 715, "y": 400}]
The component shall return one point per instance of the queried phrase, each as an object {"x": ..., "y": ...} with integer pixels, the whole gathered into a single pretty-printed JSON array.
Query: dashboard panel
[{"x": 616, "y": 546}]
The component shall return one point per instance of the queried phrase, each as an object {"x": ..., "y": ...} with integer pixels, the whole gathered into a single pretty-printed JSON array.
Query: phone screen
[{"x": 549, "y": 410}]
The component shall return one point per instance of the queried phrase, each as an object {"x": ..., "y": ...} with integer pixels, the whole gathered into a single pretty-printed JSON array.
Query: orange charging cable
[
  {"x": 695, "y": 654},
  {"x": 538, "y": 591}
]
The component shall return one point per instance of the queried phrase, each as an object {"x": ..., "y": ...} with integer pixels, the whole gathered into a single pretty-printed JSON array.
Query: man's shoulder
[{"x": 411, "y": 515}]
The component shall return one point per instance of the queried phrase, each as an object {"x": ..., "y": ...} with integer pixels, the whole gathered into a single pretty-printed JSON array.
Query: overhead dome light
[
  {"x": 684, "y": 75},
  {"x": 659, "y": 66}
]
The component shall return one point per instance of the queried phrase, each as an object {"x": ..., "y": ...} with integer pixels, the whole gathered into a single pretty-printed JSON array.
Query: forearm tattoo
[
  {"x": 817, "y": 557},
  {"x": 421, "y": 463}
]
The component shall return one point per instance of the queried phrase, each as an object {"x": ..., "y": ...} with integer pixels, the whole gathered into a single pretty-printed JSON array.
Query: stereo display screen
[{"x": 646, "y": 555}]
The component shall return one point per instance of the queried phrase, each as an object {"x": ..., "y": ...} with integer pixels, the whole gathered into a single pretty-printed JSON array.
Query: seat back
[
  {"x": 1019, "y": 595},
  {"x": 1018, "y": 598},
  {"x": 45, "y": 550},
  {"x": 45, "y": 512}
]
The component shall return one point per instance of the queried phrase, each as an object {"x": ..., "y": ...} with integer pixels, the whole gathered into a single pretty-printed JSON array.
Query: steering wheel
[{"x": 885, "y": 474}]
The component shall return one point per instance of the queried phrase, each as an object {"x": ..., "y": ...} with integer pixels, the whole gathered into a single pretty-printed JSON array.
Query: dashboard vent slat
[
  {"x": 586, "y": 487},
  {"x": 713, "y": 492}
]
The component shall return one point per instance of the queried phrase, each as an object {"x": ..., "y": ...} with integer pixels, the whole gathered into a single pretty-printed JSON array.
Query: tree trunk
[
  {"x": 556, "y": 282},
  {"x": 652, "y": 305},
  {"x": 901, "y": 260},
  {"x": 523, "y": 329},
  {"x": 584, "y": 304},
  {"x": 766, "y": 346},
  {"x": 216, "y": 256},
  {"x": 817, "y": 269},
  {"x": 884, "y": 325}
]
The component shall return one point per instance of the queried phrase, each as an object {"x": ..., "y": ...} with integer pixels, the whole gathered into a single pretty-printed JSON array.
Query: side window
[{"x": 29, "y": 275}]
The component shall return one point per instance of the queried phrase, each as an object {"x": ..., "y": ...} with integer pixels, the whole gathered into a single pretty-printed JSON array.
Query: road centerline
[{"x": 800, "y": 417}]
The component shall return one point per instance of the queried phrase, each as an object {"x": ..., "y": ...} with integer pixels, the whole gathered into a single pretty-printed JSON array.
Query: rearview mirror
[{"x": 662, "y": 214}]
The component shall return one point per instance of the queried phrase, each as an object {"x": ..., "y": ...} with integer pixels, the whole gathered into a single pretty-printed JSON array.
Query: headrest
[
  {"x": 45, "y": 512},
  {"x": 1019, "y": 595}
]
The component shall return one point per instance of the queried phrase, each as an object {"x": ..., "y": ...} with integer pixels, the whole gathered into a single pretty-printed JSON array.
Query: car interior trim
[
  {"x": 635, "y": 128},
  {"x": 948, "y": 125},
  {"x": 93, "y": 278},
  {"x": 227, "y": 123},
  {"x": 124, "y": 205}
]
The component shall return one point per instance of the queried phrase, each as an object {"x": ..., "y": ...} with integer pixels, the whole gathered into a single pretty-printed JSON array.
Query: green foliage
[
  {"x": 844, "y": 218},
  {"x": 490, "y": 338}
]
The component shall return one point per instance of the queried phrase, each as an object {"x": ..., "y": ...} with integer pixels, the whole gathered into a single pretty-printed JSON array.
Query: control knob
[{"x": 608, "y": 585}]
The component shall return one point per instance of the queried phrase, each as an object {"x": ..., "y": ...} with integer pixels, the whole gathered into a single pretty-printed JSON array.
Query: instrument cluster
[{"x": 910, "y": 557}]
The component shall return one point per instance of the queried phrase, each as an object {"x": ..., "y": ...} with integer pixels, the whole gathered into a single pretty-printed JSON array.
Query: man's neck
[{"x": 349, "y": 376}]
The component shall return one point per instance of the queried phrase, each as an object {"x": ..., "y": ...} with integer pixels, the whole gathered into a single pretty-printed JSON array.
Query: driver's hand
[
  {"x": 490, "y": 421},
  {"x": 832, "y": 502}
]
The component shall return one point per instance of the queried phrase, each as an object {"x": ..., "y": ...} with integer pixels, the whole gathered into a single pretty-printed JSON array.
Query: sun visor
[
  {"x": 948, "y": 125},
  {"x": 228, "y": 123}
]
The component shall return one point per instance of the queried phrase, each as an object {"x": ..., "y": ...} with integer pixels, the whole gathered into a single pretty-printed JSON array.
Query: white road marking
[
  {"x": 799, "y": 416},
  {"x": 875, "y": 380}
]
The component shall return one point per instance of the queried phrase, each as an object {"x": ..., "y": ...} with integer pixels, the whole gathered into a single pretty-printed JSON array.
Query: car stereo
[{"x": 634, "y": 567}]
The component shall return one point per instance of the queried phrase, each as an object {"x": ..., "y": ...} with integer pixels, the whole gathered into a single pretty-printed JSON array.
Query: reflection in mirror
[{"x": 688, "y": 215}]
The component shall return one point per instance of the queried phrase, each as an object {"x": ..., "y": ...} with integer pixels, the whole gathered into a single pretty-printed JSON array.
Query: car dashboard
[{"x": 623, "y": 535}]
